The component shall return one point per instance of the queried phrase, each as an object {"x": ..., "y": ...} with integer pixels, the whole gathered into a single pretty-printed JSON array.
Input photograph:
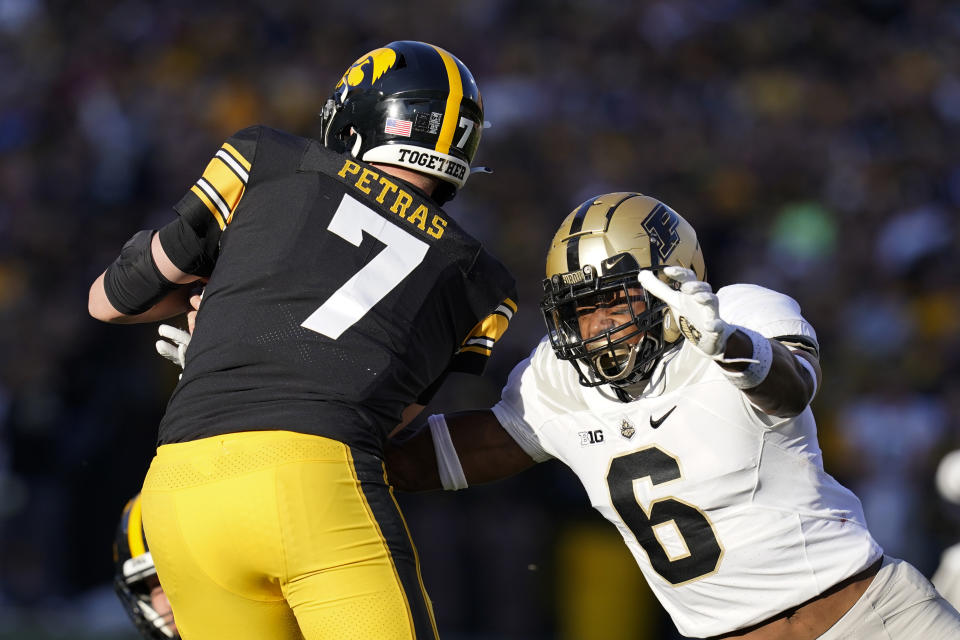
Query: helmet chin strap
[
  {"x": 627, "y": 369},
  {"x": 629, "y": 382},
  {"x": 357, "y": 143}
]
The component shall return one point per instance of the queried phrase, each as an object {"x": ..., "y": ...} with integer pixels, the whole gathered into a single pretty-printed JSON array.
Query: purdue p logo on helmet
[
  {"x": 593, "y": 261},
  {"x": 408, "y": 104}
]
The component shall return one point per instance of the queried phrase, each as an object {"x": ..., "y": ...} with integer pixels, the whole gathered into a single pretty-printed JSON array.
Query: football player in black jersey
[{"x": 339, "y": 294}]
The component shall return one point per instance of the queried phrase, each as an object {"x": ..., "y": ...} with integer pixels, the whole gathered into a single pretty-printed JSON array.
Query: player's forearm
[
  {"x": 484, "y": 451},
  {"x": 788, "y": 387},
  {"x": 412, "y": 463},
  {"x": 173, "y": 304},
  {"x": 98, "y": 305},
  {"x": 487, "y": 452},
  {"x": 142, "y": 284}
]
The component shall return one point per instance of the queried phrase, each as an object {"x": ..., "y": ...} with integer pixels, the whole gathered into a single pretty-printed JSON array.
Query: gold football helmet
[{"x": 592, "y": 265}]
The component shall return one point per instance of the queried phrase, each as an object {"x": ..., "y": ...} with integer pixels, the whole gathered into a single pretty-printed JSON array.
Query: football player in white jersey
[
  {"x": 947, "y": 576},
  {"x": 686, "y": 416}
]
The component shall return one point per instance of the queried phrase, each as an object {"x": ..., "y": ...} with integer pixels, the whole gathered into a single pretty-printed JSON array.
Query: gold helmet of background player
[
  {"x": 596, "y": 254},
  {"x": 135, "y": 576}
]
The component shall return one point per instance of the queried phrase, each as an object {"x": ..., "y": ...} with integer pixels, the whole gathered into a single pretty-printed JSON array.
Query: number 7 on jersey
[{"x": 374, "y": 280}]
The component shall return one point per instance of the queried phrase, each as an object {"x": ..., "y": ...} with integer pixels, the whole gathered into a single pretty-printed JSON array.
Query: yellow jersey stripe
[
  {"x": 454, "y": 98},
  {"x": 237, "y": 155},
  {"x": 135, "y": 530},
  {"x": 233, "y": 164},
  {"x": 491, "y": 328},
  {"x": 226, "y": 183},
  {"x": 215, "y": 197},
  {"x": 486, "y": 332},
  {"x": 213, "y": 208}
]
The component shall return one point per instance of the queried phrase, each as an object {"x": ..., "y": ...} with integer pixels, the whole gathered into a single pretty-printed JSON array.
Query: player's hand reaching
[
  {"x": 176, "y": 350},
  {"x": 195, "y": 301},
  {"x": 694, "y": 305}
]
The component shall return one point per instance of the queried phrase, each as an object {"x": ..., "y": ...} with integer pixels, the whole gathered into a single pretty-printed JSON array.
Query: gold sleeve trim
[
  {"x": 237, "y": 155},
  {"x": 205, "y": 199}
]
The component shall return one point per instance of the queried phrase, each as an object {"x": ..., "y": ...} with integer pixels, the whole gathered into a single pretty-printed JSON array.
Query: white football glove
[
  {"x": 948, "y": 476},
  {"x": 695, "y": 306},
  {"x": 176, "y": 350}
]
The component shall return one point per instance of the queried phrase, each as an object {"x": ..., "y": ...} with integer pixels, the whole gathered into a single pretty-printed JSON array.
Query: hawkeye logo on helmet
[
  {"x": 427, "y": 160},
  {"x": 367, "y": 69}
]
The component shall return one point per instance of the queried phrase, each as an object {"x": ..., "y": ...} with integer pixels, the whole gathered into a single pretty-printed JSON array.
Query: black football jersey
[{"x": 337, "y": 295}]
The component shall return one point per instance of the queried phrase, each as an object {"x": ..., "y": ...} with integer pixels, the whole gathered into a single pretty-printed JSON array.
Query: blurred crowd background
[{"x": 813, "y": 144}]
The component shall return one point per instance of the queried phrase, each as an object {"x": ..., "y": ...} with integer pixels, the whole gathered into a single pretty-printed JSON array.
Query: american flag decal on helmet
[{"x": 398, "y": 127}]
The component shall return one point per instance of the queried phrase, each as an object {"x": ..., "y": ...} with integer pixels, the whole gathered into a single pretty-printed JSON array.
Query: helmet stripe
[
  {"x": 135, "y": 539},
  {"x": 573, "y": 247},
  {"x": 454, "y": 98},
  {"x": 614, "y": 208}
]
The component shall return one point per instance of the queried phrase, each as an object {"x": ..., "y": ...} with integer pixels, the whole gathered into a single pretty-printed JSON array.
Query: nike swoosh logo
[
  {"x": 612, "y": 262},
  {"x": 656, "y": 423}
]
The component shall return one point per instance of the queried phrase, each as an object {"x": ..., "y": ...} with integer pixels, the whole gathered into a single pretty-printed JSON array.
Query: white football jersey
[
  {"x": 728, "y": 511},
  {"x": 947, "y": 576}
]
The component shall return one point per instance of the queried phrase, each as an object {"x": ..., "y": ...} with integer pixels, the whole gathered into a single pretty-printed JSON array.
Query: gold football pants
[{"x": 281, "y": 535}]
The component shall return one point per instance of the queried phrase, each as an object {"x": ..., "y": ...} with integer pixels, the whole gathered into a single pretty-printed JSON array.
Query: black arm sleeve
[
  {"x": 191, "y": 250},
  {"x": 192, "y": 241},
  {"x": 133, "y": 283}
]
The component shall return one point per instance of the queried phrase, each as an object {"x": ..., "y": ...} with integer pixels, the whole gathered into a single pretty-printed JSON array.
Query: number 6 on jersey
[
  {"x": 376, "y": 279},
  {"x": 682, "y": 525}
]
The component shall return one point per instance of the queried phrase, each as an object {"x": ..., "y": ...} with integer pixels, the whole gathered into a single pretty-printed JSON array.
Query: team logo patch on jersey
[
  {"x": 627, "y": 429},
  {"x": 590, "y": 437}
]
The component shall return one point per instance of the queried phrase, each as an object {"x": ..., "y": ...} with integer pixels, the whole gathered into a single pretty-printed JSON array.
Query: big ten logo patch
[{"x": 590, "y": 437}]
